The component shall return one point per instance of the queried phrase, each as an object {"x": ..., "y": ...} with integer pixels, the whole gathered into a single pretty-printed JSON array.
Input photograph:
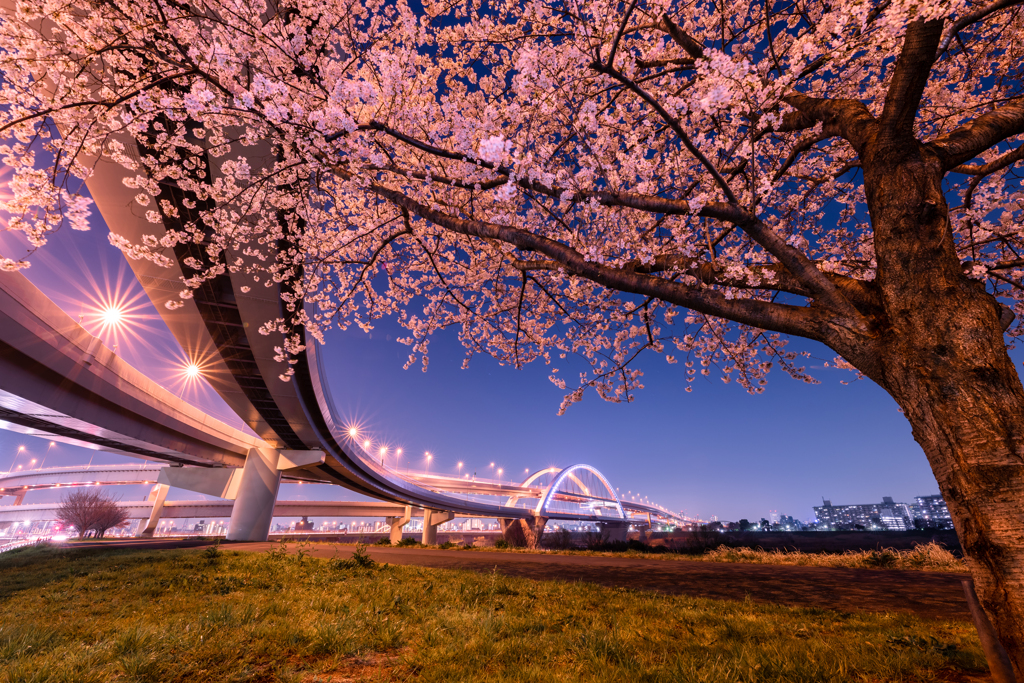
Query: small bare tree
[
  {"x": 109, "y": 516},
  {"x": 90, "y": 511}
]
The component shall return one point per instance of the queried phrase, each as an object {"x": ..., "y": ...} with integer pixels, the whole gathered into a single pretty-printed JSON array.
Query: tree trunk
[
  {"x": 941, "y": 354},
  {"x": 969, "y": 423}
]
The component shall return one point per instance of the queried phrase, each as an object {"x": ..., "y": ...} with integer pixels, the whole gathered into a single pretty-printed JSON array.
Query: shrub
[
  {"x": 360, "y": 559},
  {"x": 213, "y": 552},
  {"x": 559, "y": 540},
  {"x": 702, "y": 539}
]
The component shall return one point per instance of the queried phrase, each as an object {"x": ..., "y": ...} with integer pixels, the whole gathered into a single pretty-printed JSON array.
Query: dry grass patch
[{"x": 925, "y": 557}]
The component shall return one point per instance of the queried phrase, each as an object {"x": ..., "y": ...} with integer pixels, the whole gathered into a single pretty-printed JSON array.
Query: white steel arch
[
  {"x": 511, "y": 502},
  {"x": 568, "y": 472},
  {"x": 537, "y": 475}
]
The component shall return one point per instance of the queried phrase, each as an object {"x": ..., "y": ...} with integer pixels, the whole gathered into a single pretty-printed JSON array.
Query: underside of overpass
[{"x": 58, "y": 380}]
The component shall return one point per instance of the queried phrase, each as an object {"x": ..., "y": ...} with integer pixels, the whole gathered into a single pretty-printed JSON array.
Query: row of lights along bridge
[{"x": 114, "y": 317}]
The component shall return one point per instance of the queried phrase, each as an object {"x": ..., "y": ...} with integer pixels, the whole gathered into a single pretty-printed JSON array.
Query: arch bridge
[{"x": 576, "y": 493}]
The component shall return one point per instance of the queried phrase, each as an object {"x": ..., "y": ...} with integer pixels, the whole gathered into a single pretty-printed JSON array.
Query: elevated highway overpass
[{"x": 58, "y": 380}]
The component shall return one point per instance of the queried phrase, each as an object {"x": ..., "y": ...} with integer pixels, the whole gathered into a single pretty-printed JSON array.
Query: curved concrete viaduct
[{"x": 57, "y": 379}]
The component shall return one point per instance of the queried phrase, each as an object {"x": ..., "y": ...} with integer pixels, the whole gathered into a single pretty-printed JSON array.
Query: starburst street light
[
  {"x": 112, "y": 316},
  {"x": 190, "y": 372}
]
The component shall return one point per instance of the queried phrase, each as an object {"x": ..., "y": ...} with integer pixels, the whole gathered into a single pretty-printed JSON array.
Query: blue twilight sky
[{"x": 715, "y": 451}]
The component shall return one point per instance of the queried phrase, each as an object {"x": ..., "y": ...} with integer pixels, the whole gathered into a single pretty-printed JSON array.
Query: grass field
[{"x": 191, "y": 615}]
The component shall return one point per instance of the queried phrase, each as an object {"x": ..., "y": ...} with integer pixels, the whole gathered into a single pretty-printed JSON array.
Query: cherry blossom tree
[{"x": 700, "y": 180}]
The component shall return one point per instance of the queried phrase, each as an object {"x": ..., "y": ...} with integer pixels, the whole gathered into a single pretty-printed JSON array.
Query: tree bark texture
[{"x": 940, "y": 353}]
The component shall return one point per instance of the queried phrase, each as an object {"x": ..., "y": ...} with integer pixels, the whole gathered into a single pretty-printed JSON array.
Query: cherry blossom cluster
[{"x": 587, "y": 179}]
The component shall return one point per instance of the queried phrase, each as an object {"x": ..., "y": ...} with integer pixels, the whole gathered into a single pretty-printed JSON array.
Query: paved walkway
[{"x": 931, "y": 595}]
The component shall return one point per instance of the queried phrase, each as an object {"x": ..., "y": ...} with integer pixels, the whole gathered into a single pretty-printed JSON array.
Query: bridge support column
[
  {"x": 535, "y": 528},
  {"x": 612, "y": 532},
  {"x": 19, "y": 497},
  {"x": 257, "y": 493},
  {"x": 158, "y": 495},
  {"x": 431, "y": 520},
  {"x": 397, "y": 523},
  {"x": 523, "y": 532}
]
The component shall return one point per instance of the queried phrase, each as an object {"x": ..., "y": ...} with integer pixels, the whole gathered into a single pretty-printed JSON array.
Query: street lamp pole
[
  {"x": 21, "y": 449},
  {"x": 52, "y": 444}
]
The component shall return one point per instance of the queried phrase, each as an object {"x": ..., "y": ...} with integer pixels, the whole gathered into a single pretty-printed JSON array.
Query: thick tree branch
[
  {"x": 991, "y": 167},
  {"x": 656, "y": 63},
  {"x": 1006, "y": 265},
  {"x": 682, "y": 38},
  {"x": 823, "y": 290},
  {"x": 968, "y": 19},
  {"x": 618, "y": 34},
  {"x": 989, "y": 129},
  {"x": 773, "y": 277},
  {"x": 794, "y": 260},
  {"x": 849, "y": 119},
  {"x": 798, "y": 149},
  {"x": 806, "y": 321},
  {"x": 910, "y": 77}
]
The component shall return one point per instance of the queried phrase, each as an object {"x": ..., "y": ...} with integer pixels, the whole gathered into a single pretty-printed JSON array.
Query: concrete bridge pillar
[
  {"x": 397, "y": 523},
  {"x": 19, "y": 497},
  {"x": 257, "y": 494},
  {"x": 431, "y": 520},
  {"x": 534, "y": 530},
  {"x": 520, "y": 532},
  {"x": 157, "y": 496}
]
